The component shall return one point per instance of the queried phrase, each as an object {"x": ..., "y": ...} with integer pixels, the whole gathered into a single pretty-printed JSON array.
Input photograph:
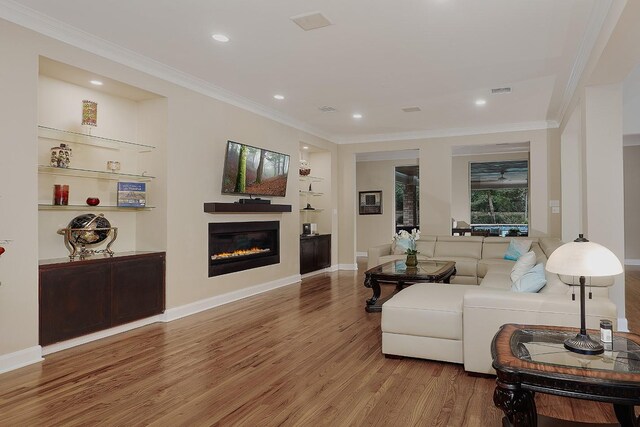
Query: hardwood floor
[{"x": 301, "y": 355}]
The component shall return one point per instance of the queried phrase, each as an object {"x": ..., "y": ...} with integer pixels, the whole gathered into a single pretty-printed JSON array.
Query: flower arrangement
[{"x": 411, "y": 238}]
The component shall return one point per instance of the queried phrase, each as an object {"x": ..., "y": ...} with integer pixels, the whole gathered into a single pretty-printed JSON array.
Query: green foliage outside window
[{"x": 499, "y": 206}]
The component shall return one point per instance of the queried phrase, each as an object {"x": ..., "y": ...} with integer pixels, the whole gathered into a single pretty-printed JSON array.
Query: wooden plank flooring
[{"x": 298, "y": 356}]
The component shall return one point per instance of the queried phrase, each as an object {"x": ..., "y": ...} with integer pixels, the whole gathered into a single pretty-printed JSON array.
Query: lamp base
[{"x": 583, "y": 344}]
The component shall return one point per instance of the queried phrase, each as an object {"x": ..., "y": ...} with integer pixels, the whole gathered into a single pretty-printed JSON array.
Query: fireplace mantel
[{"x": 217, "y": 207}]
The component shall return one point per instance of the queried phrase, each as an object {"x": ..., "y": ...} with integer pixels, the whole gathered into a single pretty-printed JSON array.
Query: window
[
  {"x": 499, "y": 197},
  {"x": 407, "y": 198}
]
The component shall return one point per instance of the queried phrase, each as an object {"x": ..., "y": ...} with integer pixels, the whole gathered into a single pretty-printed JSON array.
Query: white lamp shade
[{"x": 583, "y": 259}]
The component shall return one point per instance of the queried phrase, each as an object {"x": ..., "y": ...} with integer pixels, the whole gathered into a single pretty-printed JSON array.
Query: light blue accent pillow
[
  {"x": 516, "y": 249},
  {"x": 531, "y": 281}
]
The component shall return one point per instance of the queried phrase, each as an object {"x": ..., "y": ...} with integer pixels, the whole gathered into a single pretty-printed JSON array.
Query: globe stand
[{"x": 80, "y": 249}]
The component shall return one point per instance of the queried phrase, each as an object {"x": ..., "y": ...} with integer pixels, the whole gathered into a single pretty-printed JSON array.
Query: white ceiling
[{"x": 377, "y": 57}]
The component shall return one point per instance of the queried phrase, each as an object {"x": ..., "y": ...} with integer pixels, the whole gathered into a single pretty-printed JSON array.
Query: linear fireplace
[{"x": 237, "y": 246}]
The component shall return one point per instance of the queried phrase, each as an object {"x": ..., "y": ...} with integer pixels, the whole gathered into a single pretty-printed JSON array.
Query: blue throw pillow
[
  {"x": 516, "y": 249},
  {"x": 531, "y": 281}
]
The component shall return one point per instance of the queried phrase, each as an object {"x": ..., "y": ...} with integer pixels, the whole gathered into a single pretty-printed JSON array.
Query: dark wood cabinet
[
  {"x": 315, "y": 252},
  {"x": 81, "y": 297}
]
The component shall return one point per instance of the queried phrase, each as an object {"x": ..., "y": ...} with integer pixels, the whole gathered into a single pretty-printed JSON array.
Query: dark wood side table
[
  {"x": 397, "y": 272},
  {"x": 530, "y": 359}
]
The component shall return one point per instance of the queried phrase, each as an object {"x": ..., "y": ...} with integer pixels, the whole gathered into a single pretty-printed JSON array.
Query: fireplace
[{"x": 237, "y": 246}]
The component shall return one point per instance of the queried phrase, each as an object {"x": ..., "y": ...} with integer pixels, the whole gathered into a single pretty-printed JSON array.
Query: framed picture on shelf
[{"x": 370, "y": 202}]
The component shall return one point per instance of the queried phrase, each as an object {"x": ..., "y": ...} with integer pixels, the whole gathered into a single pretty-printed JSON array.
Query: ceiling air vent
[
  {"x": 311, "y": 21},
  {"x": 411, "y": 109},
  {"x": 327, "y": 109},
  {"x": 499, "y": 90}
]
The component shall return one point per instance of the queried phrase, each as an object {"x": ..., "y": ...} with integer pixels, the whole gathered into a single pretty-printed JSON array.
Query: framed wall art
[{"x": 370, "y": 202}]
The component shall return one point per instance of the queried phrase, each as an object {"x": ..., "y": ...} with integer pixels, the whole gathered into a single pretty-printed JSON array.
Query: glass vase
[{"x": 412, "y": 260}]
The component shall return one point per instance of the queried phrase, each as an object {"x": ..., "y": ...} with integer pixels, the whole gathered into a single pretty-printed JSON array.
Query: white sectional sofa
[{"x": 456, "y": 322}]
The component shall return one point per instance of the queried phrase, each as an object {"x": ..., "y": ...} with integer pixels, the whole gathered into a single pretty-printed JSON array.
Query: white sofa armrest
[
  {"x": 374, "y": 254},
  {"x": 485, "y": 310}
]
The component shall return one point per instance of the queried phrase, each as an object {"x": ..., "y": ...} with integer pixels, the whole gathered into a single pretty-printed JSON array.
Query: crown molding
[
  {"x": 44, "y": 24},
  {"x": 597, "y": 17},
  {"x": 443, "y": 133}
]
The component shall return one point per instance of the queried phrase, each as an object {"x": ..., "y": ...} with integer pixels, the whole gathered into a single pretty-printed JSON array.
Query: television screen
[{"x": 254, "y": 171}]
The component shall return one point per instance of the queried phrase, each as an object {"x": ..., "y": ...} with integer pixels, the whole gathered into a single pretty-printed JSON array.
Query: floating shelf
[
  {"x": 96, "y": 141},
  {"x": 88, "y": 173},
  {"x": 215, "y": 207},
  {"x": 47, "y": 207},
  {"x": 311, "y": 210},
  {"x": 309, "y": 178},
  {"x": 310, "y": 193}
]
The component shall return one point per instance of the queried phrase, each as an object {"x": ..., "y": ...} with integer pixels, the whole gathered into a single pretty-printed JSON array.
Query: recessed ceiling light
[
  {"x": 220, "y": 38},
  {"x": 480, "y": 102},
  {"x": 279, "y": 97},
  {"x": 357, "y": 116},
  {"x": 96, "y": 82},
  {"x": 305, "y": 148}
]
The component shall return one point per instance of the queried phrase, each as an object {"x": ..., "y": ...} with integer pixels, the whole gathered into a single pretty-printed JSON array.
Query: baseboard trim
[
  {"x": 362, "y": 254},
  {"x": 632, "y": 262},
  {"x": 20, "y": 358},
  {"x": 315, "y": 273},
  {"x": 349, "y": 267},
  {"x": 59, "y": 346},
  {"x": 218, "y": 300}
]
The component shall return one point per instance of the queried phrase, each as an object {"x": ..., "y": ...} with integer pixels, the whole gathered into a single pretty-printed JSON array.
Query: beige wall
[
  {"x": 192, "y": 138},
  {"x": 436, "y": 181},
  {"x": 632, "y": 203},
  {"x": 373, "y": 230},
  {"x": 460, "y": 186}
]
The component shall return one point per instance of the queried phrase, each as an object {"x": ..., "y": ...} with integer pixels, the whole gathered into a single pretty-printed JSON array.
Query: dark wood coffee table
[
  {"x": 531, "y": 359},
  {"x": 397, "y": 272}
]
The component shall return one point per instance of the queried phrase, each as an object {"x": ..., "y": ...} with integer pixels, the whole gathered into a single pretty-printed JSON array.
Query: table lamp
[{"x": 583, "y": 258}]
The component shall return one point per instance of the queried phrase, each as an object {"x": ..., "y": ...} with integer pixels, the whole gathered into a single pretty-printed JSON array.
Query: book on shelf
[{"x": 132, "y": 194}]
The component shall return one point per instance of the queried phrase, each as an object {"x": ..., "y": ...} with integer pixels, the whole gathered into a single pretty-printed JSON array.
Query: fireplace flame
[{"x": 239, "y": 253}]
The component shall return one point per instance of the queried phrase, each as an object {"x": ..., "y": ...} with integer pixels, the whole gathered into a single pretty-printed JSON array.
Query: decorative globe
[{"x": 89, "y": 236}]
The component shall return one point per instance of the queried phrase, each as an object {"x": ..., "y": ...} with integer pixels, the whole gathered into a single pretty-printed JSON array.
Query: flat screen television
[{"x": 254, "y": 171}]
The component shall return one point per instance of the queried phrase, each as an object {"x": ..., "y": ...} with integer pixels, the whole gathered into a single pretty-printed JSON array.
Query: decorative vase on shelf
[
  {"x": 304, "y": 168},
  {"x": 60, "y": 156},
  {"x": 412, "y": 260}
]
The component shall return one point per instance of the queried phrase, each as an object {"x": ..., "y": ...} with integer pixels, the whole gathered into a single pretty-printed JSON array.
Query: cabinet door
[
  {"x": 138, "y": 288},
  {"x": 307, "y": 255},
  {"x": 323, "y": 252},
  {"x": 74, "y": 301}
]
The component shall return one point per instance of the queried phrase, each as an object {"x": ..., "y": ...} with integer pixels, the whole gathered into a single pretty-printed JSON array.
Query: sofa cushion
[
  {"x": 498, "y": 277},
  {"x": 459, "y": 246},
  {"x": 531, "y": 281},
  {"x": 427, "y": 310},
  {"x": 524, "y": 264},
  {"x": 549, "y": 244},
  {"x": 464, "y": 266},
  {"x": 484, "y": 265},
  {"x": 426, "y": 245},
  {"x": 517, "y": 248}
]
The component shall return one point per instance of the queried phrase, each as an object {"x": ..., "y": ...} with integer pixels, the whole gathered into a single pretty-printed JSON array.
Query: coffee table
[
  {"x": 397, "y": 272},
  {"x": 531, "y": 359}
]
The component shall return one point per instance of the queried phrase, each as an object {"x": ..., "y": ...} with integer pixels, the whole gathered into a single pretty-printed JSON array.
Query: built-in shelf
[
  {"x": 215, "y": 207},
  {"x": 48, "y": 207},
  {"x": 310, "y": 193},
  {"x": 309, "y": 178},
  {"x": 96, "y": 141},
  {"x": 89, "y": 173}
]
